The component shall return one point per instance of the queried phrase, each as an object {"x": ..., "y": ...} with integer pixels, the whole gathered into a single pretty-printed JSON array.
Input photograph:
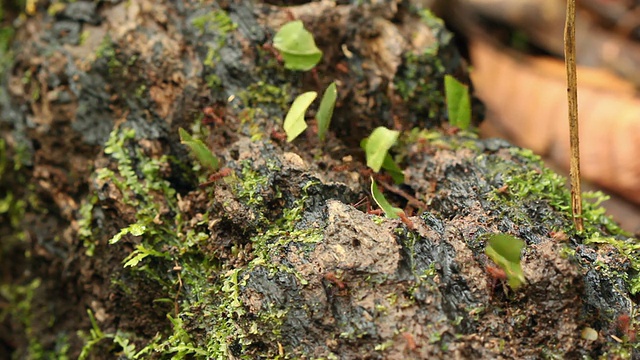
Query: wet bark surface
[{"x": 111, "y": 248}]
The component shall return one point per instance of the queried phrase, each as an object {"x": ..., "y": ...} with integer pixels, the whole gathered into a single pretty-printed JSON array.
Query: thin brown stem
[
  {"x": 410, "y": 199},
  {"x": 572, "y": 93}
]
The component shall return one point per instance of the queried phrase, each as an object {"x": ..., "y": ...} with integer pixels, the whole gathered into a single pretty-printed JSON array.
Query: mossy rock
[{"x": 117, "y": 250}]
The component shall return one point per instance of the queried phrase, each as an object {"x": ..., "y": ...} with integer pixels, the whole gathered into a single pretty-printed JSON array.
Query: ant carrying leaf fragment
[
  {"x": 199, "y": 150},
  {"x": 458, "y": 102},
  {"x": 505, "y": 250},
  {"x": 297, "y": 47},
  {"x": 376, "y": 148},
  {"x": 389, "y": 210},
  {"x": 325, "y": 111},
  {"x": 294, "y": 123},
  {"x": 383, "y": 203}
]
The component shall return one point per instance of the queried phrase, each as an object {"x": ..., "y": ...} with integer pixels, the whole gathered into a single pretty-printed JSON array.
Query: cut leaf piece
[
  {"x": 294, "y": 123},
  {"x": 378, "y": 197},
  {"x": 378, "y": 144},
  {"x": 458, "y": 102},
  {"x": 394, "y": 170},
  {"x": 199, "y": 150},
  {"x": 325, "y": 111},
  {"x": 505, "y": 250},
  {"x": 388, "y": 164},
  {"x": 297, "y": 47}
]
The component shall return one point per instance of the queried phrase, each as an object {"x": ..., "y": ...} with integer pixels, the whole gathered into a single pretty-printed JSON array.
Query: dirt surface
[{"x": 112, "y": 247}]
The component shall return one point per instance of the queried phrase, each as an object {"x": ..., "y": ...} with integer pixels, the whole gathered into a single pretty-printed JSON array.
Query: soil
[{"x": 116, "y": 243}]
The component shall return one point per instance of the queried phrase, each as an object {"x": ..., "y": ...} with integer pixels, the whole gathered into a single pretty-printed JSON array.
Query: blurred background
[{"x": 516, "y": 52}]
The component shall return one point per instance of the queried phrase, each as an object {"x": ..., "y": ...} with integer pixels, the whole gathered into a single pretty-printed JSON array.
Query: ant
[
  {"x": 401, "y": 214},
  {"x": 411, "y": 342},
  {"x": 278, "y": 136},
  {"x": 224, "y": 172},
  {"x": 496, "y": 275},
  {"x": 211, "y": 116},
  {"x": 342, "y": 167},
  {"x": 451, "y": 130},
  {"x": 559, "y": 235},
  {"x": 405, "y": 219},
  {"x": 368, "y": 209},
  {"x": 624, "y": 327},
  {"x": 336, "y": 279},
  {"x": 333, "y": 278}
]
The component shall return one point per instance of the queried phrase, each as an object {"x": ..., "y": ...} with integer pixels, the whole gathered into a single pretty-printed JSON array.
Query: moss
[
  {"x": 106, "y": 50},
  {"x": 6, "y": 54},
  {"x": 135, "y": 181},
  {"x": 85, "y": 226},
  {"x": 9, "y": 206},
  {"x": 17, "y": 297},
  {"x": 420, "y": 78},
  {"x": 20, "y": 309},
  {"x": 218, "y": 306},
  {"x": 251, "y": 186},
  {"x": 262, "y": 103},
  {"x": 139, "y": 179},
  {"x": 630, "y": 249},
  {"x": 15, "y": 200},
  {"x": 542, "y": 184},
  {"x": 535, "y": 182},
  {"x": 216, "y": 20},
  {"x": 213, "y": 82},
  {"x": 120, "y": 70},
  {"x": 412, "y": 83},
  {"x": 140, "y": 91},
  {"x": 263, "y": 93},
  {"x": 271, "y": 245},
  {"x": 56, "y": 7},
  {"x": 121, "y": 344},
  {"x": 464, "y": 139},
  {"x": 618, "y": 351},
  {"x": 211, "y": 320}
]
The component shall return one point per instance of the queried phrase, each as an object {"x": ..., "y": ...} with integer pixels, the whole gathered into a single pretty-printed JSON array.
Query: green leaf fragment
[
  {"x": 394, "y": 170},
  {"x": 325, "y": 111},
  {"x": 294, "y": 123},
  {"x": 505, "y": 250},
  {"x": 388, "y": 164},
  {"x": 458, "y": 102},
  {"x": 199, "y": 150},
  {"x": 377, "y": 146},
  {"x": 378, "y": 197},
  {"x": 297, "y": 47}
]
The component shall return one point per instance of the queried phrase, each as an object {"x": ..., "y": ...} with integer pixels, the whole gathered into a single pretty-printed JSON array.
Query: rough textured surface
[{"x": 110, "y": 248}]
